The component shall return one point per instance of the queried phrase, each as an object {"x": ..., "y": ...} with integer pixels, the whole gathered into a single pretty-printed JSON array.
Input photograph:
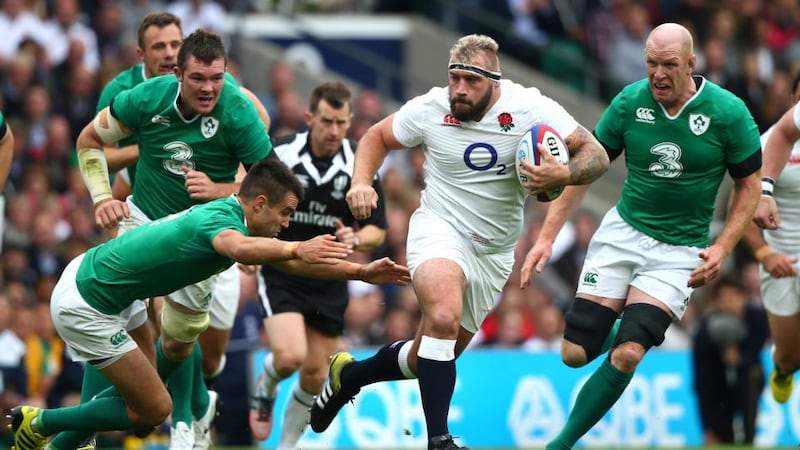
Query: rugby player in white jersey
[
  {"x": 461, "y": 239},
  {"x": 779, "y": 246}
]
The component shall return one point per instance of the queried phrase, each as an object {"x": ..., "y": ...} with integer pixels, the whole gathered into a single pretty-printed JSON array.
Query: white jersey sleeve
[
  {"x": 469, "y": 169},
  {"x": 787, "y": 195}
]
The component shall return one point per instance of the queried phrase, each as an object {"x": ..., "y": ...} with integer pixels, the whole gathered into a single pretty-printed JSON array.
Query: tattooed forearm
[{"x": 588, "y": 159}]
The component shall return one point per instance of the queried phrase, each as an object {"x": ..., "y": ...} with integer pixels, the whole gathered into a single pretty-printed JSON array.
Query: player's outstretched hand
[
  {"x": 536, "y": 258},
  {"x": 362, "y": 199},
  {"x": 323, "y": 249},
  {"x": 712, "y": 257},
  {"x": 109, "y": 213},
  {"x": 766, "y": 215},
  {"x": 779, "y": 265},
  {"x": 385, "y": 271},
  {"x": 199, "y": 185}
]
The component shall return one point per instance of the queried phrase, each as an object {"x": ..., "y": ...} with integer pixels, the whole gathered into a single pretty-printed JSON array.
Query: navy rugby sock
[
  {"x": 382, "y": 366},
  {"x": 437, "y": 381}
]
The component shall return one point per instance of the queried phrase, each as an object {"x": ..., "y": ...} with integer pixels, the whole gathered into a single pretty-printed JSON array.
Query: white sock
[
  {"x": 295, "y": 418},
  {"x": 271, "y": 377}
]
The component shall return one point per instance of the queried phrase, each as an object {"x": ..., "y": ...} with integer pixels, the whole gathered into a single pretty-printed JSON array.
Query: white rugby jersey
[
  {"x": 787, "y": 195},
  {"x": 470, "y": 176}
]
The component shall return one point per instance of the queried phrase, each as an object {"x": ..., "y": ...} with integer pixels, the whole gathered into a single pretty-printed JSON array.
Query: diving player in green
[
  {"x": 159, "y": 259},
  {"x": 680, "y": 134},
  {"x": 192, "y": 135}
]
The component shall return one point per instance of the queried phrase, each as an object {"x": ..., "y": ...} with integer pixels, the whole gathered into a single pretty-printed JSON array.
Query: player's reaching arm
[
  {"x": 6, "y": 151},
  {"x": 775, "y": 263},
  {"x": 776, "y": 154},
  {"x": 320, "y": 257},
  {"x": 746, "y": 192},
  {"x": 104, "y": 129},
  {"x": 323, "y": 249},
  {"x": 370, "y": 153}
]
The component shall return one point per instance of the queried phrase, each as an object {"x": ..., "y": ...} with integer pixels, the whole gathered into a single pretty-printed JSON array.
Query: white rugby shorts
[
  {"x": 781, "y": 296},
  {"x": 620, "y": 256},
  {"x": 89, "y": 334},
  {"x": 219, "y": 295},
  {"x": 430, "y": 236}
]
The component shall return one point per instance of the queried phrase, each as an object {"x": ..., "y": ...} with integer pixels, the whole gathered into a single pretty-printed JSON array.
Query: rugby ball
[{"x": 527, "y": 150}]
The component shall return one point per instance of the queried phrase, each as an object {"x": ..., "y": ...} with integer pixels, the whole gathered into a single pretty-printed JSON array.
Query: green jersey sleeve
[
  {"x": 609, "y": 129},
  {"x": 741, "y": 133},
  {"x": 247, "y": 134}
]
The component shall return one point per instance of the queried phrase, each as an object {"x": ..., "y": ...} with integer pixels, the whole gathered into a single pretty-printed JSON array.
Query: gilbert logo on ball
[{"x": 527, "y": 150}]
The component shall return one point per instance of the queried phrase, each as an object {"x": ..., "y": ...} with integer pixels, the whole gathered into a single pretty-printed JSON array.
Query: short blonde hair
[{"x": 468, "y": 47}]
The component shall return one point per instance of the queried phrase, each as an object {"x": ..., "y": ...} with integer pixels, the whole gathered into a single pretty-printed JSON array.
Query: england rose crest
[{"x": 506, "y": 121}]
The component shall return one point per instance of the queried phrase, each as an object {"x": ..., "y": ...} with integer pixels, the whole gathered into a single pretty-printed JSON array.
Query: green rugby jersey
[
  {"x": 159, "y": 257},
  {"x": 214, "y": 144},
  {"x": 676, "y": 163},
  {"x": 125, "y": 80}
]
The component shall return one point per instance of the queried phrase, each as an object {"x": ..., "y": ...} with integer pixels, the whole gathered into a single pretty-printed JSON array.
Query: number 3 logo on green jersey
[
  {"x": 668, "y": 164},
  {"x": 181, "y": 157}
]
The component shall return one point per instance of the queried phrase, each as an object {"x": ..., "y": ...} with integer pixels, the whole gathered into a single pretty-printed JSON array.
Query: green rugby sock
[
  {"x": 164, "y": 365},
  {"x": 595, "y": 398},
  {"x": 100, "y": 414},
  {"x": 200, "y": 399},
  {"x": 93, "y": 383},
  {"x": 180, "y": 384}
]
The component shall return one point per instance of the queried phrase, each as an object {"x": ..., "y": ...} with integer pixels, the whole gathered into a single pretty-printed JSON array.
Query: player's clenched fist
[
  {"x": 362, "y": 199},
  {"x": 109, "y": 213}
]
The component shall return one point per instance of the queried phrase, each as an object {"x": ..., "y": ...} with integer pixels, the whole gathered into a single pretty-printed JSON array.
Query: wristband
[
  {"x": 290, "y": 250},
  {"x": 762, "y": 253},
  {"x": 767, "y": 186},
  {"x": 354, "y": 271},
  {"x": 94, "y": 170}
]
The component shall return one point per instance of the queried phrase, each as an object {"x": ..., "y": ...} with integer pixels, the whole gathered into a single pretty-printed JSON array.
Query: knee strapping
[
  {"x": 644, "y": 324},
  {"x": 588, "y": 324},
  {"x": 181, "y": 326}
]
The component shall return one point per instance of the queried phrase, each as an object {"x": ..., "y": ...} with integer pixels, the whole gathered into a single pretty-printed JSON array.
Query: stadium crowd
[{"x": 56, "y": 55}]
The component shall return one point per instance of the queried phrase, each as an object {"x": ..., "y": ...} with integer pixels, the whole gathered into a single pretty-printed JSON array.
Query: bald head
[{"x": 671, "y": 34}]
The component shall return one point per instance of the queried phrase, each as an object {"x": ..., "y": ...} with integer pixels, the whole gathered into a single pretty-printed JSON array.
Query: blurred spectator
[
  {"x": 715, "y": 63},
  {"x": 36, "y": 114},
  {"x": 109, "y": 27},
  {"x": 19, "y": 77},
  {"x": 196, "y": 14},
  {"x": 43, "y": 353},
  {"x": 13, "y": 376},
  {"x": 361, "y": 318},
  {"x": 66, "y": 26},
  {"x": 18, "y": 22},
  {"x": 626, "y": 49},
  {"x": 78, "y": 100},
  {"x": 726, "y": 357},
  {"x": 549, "y": 331},
  {"x": 280, "y": 79},
  {"x": 568, "y": 265}
]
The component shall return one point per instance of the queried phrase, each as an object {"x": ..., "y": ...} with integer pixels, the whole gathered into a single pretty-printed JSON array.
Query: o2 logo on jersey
[
  {"x": 669, "y": 160},
  {"x": 181, "y": 156},
  {"x": 475, "y": 156}
]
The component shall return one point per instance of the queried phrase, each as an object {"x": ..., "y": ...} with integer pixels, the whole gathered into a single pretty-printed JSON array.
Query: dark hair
[
  {"x": 206, "y": 46},
  {"x": 157, "y": 19},
  {"x": 333, "y": 92},
  {"x": 273, "y": 178}
]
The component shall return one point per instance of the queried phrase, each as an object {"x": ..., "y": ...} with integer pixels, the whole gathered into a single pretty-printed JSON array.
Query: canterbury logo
[
  {"x": 119, "y": 338},
  {"x": 451, "y": 121},
  {"x": 590, "y": 278},
  {"x": 646, "y": 115}
]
